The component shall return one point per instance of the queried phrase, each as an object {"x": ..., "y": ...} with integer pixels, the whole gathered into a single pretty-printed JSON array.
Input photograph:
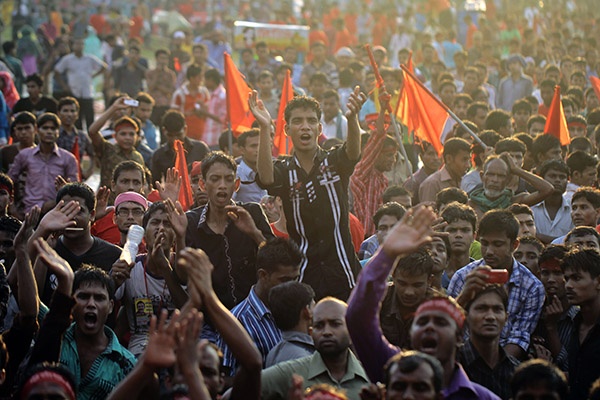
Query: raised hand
[
  {"x": 177, "y": 217},
  {"x": 169, "y": 188},
  {"x": 157, "y": 256},
  {"x": 259, "y": 110},
  {"x": 120, "y": 272},
  {"x": 188, "y": 333},
  {"x": 160, "y": 351},
  {"x": 60, "y": 217},
  {"x": 102, "y": 202},
  {"x": 26, "y": 230},
  {"x": 56, "y": 264},
  {"x": 410, "y": 233},
  {"x": 59, "y": 182},
  {"x": 355, "y": 103},
  {"x": 242, "y": 219},
  {"x": 199, "y": 269}
]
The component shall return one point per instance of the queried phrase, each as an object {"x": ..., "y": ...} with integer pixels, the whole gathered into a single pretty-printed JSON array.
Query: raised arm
[
  {"x": 355, "y": 103},
  {"x": 246, "y": 383},
  {"x": 542, "y": 187},
  {"x": 27, "y": 295},
  {"x": 265, "y": 161},
  {"x": 94, "y": 130}
]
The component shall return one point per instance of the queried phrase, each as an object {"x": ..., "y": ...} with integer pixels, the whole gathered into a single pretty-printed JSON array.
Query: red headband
[
  {"x": 577, "y": 123},
  {"x": 551, "y": 264},
  {"x": 47, "y": 376},
  {"x": 445, "y": 306},
  {"x": 9, "y": 190}
]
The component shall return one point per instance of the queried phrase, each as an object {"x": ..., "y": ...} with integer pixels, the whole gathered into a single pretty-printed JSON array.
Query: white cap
[
  {"x": 344, "y": 52},
  {"x": 179, "y": 35}
]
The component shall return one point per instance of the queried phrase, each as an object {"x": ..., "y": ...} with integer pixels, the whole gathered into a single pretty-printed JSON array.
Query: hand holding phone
[{"x": 499, "y": 276}]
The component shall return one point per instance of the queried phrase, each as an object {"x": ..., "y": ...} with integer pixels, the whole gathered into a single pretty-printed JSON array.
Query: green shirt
[
  {"x": 276, "y": 380},
  {"x": 111, "y": 155},
  {"x": 107, "y": 370}
]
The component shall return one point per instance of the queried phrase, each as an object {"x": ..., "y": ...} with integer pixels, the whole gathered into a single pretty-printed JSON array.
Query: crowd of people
[{"x": 368, "y": 263}]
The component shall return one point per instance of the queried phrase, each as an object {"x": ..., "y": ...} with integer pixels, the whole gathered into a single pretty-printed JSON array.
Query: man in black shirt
[{"x": 36, "y": 103}]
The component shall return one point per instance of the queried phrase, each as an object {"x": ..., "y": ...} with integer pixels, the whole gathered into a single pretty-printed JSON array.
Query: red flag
[
  {"x": 185, "y": 191},
  {"x": 556, "y": 123},
  {"x": 596, "y": 85},
  {"x": 409, "y": 64},
  {"x": 422, "y": 112},
  {"x": 75, "y": 151},
  {"x": 281, "y": 139},
  {"x": 238, "y": 111}
]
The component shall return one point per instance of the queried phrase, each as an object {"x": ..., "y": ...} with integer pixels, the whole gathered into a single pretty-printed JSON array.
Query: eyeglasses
[{"x": 124, "y": 212}]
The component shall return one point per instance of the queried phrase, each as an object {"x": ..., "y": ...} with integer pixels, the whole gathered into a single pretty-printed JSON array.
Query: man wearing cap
[
  {"x": 126, "y": 134},
  {"x": 129, "y": 210},
  {"x": 515, "y": 86},
  {"x": 438, "y": 323}
]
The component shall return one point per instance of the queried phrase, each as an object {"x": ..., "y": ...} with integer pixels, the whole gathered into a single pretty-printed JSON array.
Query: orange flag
[
  {"x": 281, "y": 139},
  {"x": 238, "y": 112},
  {"x": 596, "y": 85},
  {"x": 75, "y": 151},
  {"x": 185, "y": 191},
  {"x": 422, "y": 112},
  {"x": 556, "y": 123}
]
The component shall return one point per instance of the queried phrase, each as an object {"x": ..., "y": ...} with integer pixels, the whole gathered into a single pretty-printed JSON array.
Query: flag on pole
[
  {"x": 596, "y": 85},
  {"x": 422, "y": 112},
  {"x": 185, "y": 191},
  {"x": 556, "y": 123},
  {"x": 280, "y": 142},
  {"x": 75, "y": 151},
  {"x": 238, "y": 111}
]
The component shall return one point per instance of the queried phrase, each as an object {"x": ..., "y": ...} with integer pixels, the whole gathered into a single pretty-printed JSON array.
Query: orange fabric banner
[
  {"x": 238, "y": 111},
  {"x": 281, "y": 139},
  {"x": 185, "y": 191},
  {"x": 556, "y": 123}
]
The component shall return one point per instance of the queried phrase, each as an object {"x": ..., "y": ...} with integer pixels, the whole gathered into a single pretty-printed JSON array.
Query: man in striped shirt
[{"x": 278, "y": 261}]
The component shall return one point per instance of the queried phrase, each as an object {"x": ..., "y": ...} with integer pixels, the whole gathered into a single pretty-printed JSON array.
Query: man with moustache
[{"x": 438, "y": 323}]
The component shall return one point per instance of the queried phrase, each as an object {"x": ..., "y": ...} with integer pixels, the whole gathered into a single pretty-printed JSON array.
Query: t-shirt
[{"x": 44, "y": 104}]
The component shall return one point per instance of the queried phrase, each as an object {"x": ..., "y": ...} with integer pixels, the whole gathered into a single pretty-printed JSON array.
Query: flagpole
[{"x": 445, "y": 107}]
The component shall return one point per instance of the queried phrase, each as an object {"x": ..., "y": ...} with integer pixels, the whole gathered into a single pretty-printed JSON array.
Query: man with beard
[
  {"x": 333, "y": 362},
  {"x": 438, "y": 324},
  {"x": 553, "y": 215},
  {"x": 497, "y": 234},
  {"x": 497, "y": 171}
]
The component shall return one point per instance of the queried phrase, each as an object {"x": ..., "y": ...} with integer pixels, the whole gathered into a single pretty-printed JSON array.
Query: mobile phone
[
  {"x": 131, "y": 102},
  {"x": 499, "y": 276}
]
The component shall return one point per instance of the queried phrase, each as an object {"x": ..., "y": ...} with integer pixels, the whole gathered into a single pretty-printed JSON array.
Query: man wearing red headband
[{"x": 438, "y": 324}]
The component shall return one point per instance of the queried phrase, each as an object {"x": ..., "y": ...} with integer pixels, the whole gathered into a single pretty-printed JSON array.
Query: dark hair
[
  {"x": 193, "y": 70},
  {"x": 8, "y": 46},
  {"x": 499, "y": 221},
  {"x": 522, "y": 105},
  {"x": 580, "y": 143},
  {"x": 217, "y": 157},
  {"x": 6, "y": 181},
  {"x": 525, "y": 139},
  {"x": 48, "y": 117},
  {"x": 302, "y": 102},
  {"x": 144, "y": 97},
  {"x": 581, "y": 231},
  {"x": 392, "y": 209},
  {"x": 416, "y": 263},
  {"x": 88, "y": 273},
  {"x": 496, "y": 119},
  {"x": 460, "y": 212},
  {"x": 277, "y": 252},
  {"x": 67, "y": 101},
  {"x": 579, "y": 161},
  {"x": 35, "y": 78},
  {"x": 463, "y": 97},
  {"x": 517, "y": 209},
  {"x": 553, "y": 252},
  {"x": 449, "y": 195},
  {"x": 318, "y": 77},
  {"x": 213, "y": 75},
  {"x": 128, "y": 165},
  {"x": 173, "y": 121},
  {"x": 9, "y": 224},
  {"x": 24, "y": 118},
  {"x": 532, "y": 240},
  {"x": 568, "y": 101},
  {"x": 331, "y": 93},
  {"x": 462, "y": 132},
  {"x": 408, "y": 361},
  {"x": 264, "y": 74},
  {"x": 224, "y": 140},
  {"x": 78, "y": 189},
  {"x": 511, "y": 145},
  {"x": 393, "y": 191},
  {"x": 536, "y": 118},
  {"x": 246, "y": 135},
  {"x": 474, "y": 107},
  {"x": 547, "y": 83},
  {"x": 592, "y": 195},
  {"x": 532, "y": 373},
  {"x": 154, "y": 208},
  {"x": 454, "y": 146},
  {"x": 162, "y": 51},
  {"x": 497, "y": 289},
  {"x": 55, "y": 367},
  {"x": 542, "y": 144},
  {"x": 287, "y": 300},
  {"x": 557, "y": 165}
]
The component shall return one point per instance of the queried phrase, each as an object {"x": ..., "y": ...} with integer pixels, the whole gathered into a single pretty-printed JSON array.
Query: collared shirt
[
  {"x": 217, "y": 106},
  {"x": 395, "y": 326},
  {"x": 258, "y": 321},
  {"x": 525, "y": 301},
  {"x": 233, "y": 253},
  {"x": 368, "y": 247},
  {"x": 161, "y": 85},
  {"x": 330, "y": 265},
  {"x": 185, "y": 101},
  {"x": 564, "y": 329},
  {"x": 249, "y": 191},
  {"x": 435, "y": 183},
  {"x": 151, "y": 135},
  {"x": 372, "y": 348},
  {"x": 471, "y": 180},
  {"x": 479, "y": 371},
  {"x": 111, "y": 155},
  {"x": 293, "y": 345},
  {"x": 107, "y": 370},
  {"x": 367, "y": 183},
  {"x": 80, "y": 72},
  {"x": 584, "y": 367},
  {"x": 559, "y": 226},
  {"x": 328, "y": 68},
  {"x": 336, "y": 128},
  {"x": 510, "y": 90},
  {"x": 66, "y": 140},
  {"x": 277, "y": 380},
  {"x": 42, "y": 170},
  {"x": 164, "y": 157}
]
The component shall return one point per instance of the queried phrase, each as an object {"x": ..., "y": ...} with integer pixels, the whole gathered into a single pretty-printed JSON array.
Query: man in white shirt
[{"x": 335, "y": 124}]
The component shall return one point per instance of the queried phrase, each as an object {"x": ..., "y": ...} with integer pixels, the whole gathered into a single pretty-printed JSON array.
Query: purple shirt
[
  {"x": 372, "y": 348},
  {"x": 41, "y": 173}
]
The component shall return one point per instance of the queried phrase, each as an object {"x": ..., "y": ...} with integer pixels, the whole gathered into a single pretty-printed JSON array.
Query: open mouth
[
  {"x": 305, "y": 137},
  {"x": 90, "y": 319},
  {"x": 429, "y": 345},
  {"x": 222, "y": 196}
]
